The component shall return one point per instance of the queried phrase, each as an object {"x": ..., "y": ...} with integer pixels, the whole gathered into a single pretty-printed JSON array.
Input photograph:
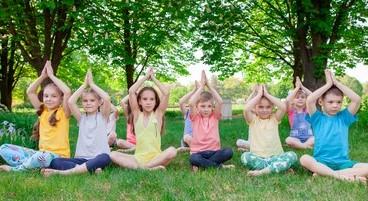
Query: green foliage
[
  {"x": 353, "y": 84},
  {"x": 281, "y": 88}
]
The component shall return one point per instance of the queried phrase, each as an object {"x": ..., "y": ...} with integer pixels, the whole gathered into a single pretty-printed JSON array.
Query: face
[
  {"x": 264, "y": 109},
  {"x": 205, "y": 108},
  {"x": 90, "y": 102},
  {"x": 300, "y": 100},
  {"x": 331, "y": 103},
  {"x": 52, "y": 98},
  {"x": 147, "y": 100}
]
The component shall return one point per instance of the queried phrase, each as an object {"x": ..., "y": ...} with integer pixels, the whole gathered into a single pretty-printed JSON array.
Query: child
[
  {"x": 52, "y": 128},
  {"x": 128, "y": 144},
  {"x": 187, "y": 135},
  {"x": 205, "y": 148},
  {"x": 148, "y": 111},
  {"x": 331, "y": 130},
  {"x": 241, "y": 144},
  {"x": 92, "y": 151},
  {"x": 266, "y": 154},
  {"x": 301, "y": 136}
]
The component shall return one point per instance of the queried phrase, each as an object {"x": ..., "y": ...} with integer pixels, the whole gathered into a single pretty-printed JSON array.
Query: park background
[{"x": 239, "y": 43}]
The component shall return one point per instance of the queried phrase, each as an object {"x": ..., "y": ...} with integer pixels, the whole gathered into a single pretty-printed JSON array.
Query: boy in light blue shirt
[{"x": 331, "y": 130}]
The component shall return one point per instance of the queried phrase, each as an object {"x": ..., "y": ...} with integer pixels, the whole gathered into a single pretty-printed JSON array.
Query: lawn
[{"x": 178, "y": 182}]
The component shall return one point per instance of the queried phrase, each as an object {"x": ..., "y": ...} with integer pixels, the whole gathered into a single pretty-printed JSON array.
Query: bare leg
[
  {"x": 163, "y": 159},
  {"x": 359, "y": 169},
  {"x": 5, "y": 168},
  {"x": 310, "y": 142},
  {"x": 124, "y": 160},
  {"x": 123, "y": 144},
  {"x": 295, "y": 143},
  {"x": 320, "y": 169},
  {"x": 79, "y": 169},
  {"x": 255, "y": 173},
  {"x": 243, "y": 145}
]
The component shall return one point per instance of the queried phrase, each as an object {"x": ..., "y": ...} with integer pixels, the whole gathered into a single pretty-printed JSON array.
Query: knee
[
  {"x": 104, "y": 158},
  {"x": 171, "y": 152},
  {"x": 244, "y": 158},
  {"x": 288, "y": 140},
  {"x": 55, "y": 164},
  {"x": 305, "y": 160},
  {"x": 292, "y": 155},
  {"x": 228, "y": 153},
  {"x": 194, "y": 159}
]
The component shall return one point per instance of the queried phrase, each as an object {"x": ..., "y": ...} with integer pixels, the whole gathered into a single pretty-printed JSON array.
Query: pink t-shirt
[
  {"x": 205, "y": 133},
  {"x": 130, "y": 135}
]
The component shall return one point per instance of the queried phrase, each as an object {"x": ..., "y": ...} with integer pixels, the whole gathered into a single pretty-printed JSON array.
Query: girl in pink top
[
  {"x": 127, "y": 145},
  {"x": 205, "y": 147}
]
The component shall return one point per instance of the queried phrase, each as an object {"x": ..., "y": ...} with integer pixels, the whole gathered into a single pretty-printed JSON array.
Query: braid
[{"x": 52, "y": 119}]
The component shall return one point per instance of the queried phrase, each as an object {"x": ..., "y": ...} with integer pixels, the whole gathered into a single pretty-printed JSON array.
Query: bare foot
[
  {"x": 195, "y": 168},
  {"x": 183, "y": 149},
  {"x": 254, "y": 173},
  {"x": 48, "y": 172},
  {"x": 230, "y": 166},
  {"x": 98, "y": 171},
  {"x": 242, "y": 149},
  {"x": 126, "y": 150},
  {"x": 160, "y": 167},
  {"x": 350, "y": 178},
  {"x": 5, "y": 168}
]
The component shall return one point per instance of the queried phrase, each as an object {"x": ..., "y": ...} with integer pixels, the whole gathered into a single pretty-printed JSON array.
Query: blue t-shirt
[
  {"x": 188, "y": 124},
  {"x": 331, "y": 134}
]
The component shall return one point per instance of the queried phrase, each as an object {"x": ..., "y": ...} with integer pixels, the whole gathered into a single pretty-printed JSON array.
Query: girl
[
  {"x": 51, "y": 131},
  {"x": 127, "y": 145},
  {"x": 188, "y": 135},
  {"x": 148, "y": 113},
  {"x": 92, "y": 151},
  {"x": 301, "y": 136},
  {"x": 205, "y": 148},
  {"x": 266, "y": 154}
]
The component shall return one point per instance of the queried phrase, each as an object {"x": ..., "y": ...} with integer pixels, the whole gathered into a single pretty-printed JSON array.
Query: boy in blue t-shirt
[{"x": 331, "y": 129}]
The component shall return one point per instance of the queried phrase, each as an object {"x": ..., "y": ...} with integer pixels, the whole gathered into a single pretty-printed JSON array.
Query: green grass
[{"x": 179, "y": 183}]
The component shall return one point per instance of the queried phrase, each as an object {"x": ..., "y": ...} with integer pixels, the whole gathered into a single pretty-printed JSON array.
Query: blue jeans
[
  {"x": 100, "y": 161},
  {"x": 21, "y": 158},
  {"x": 207, "y": 159}
]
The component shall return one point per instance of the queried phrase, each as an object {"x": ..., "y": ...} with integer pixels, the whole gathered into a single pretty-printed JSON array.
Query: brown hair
[
  {"x": 52, "y": 119},
  {"x": 157, "y": 98},
  {"x": 205, "y": 96},
  {"x": 333, "y": 90}
]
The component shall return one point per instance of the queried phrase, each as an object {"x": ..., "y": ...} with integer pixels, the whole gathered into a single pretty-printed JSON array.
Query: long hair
[
  {"x": 157, "y": 103},
  {"x": 52, "y": 118}
]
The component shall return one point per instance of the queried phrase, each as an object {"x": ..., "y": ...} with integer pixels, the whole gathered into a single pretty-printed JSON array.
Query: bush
[{"x": 363, "y": 112}]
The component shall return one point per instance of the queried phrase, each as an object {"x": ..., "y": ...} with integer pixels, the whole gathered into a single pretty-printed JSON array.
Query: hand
[
  {"x": 298, "y": 83},
  {"x": 334, "y": 80},
  {"x": 150, "y": 73},
  {"x": 90, "y": 77},
  {"x": 259, "y": 89},
  {"x": 328, "y": 75},
  {"x": 203, "y": 79},
  {"x": 49, "y": 70},
  {"x": 44, "y": 72},
  {"x": 265, "y": 92},
  {"x": 196, "y": 84}
]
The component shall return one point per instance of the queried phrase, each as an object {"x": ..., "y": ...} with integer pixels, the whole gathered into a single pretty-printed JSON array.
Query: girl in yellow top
[
  {"x": 266, "y": 154},
  {"x": 52, "y": 128},
  {"x": 148, "y": 111}
]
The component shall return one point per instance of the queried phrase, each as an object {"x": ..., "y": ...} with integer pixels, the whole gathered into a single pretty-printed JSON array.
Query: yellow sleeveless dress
[{"x": 148, "y": 139}]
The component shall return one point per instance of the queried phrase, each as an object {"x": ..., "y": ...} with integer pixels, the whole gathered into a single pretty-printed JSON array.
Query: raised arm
[
  {"x": 251, "y": 103},
  {"x": 194, "y": 98},
  {"x": 133, "y": 93},
  {"x": 72, "y": 102},
  {"x": 183, "y": 100},
  {"x": 106, "y": 104},
  {"x": 216, "y": 96},
  {"x": 313, "y": 97},
  {"x": 165, "y": 92},
  {"x": 32, "y": 89},
  {"x": 281, "y": 107},
  {"x": 353, "y": 107},
  {"x": 292, "y": 95},
  {"x": 124, "y": 104},
  {"x": 61, "y": 85}
]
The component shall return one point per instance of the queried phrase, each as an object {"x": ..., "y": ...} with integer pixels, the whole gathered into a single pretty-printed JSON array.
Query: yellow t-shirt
[
  {"x": 264, "y": 137},
  {"x": 55, "y": 139},
  {"x": 148, "y": 139}
]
